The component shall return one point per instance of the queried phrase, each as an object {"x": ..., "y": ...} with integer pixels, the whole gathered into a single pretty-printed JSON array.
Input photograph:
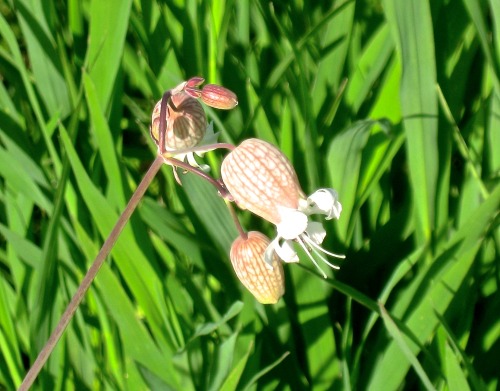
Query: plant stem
[
  {"x": 162, "y": 127},
  {"x": 187, "y": 167},
  {"x": 236, "y": 221},
  {"x": 91, "y": 273}
]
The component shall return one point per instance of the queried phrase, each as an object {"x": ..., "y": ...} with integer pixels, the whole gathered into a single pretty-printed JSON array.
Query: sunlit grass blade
[
  {"x": 265, "y": 370},
  {"x": 105, "y": 143},
  {"x": 411, "y": 25},
  {"x": 232, "y": 380},
  {"x": 344, "y": 159},
  {"x": 317, "y": 343},
  {"x": 106, "y": 42},
  {"x": 402, "y": 344},
  {"x": 44, "y": 58},
  {"x": 35, "y": 105}
]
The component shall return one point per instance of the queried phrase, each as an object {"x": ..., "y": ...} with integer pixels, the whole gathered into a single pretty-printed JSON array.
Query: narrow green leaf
[
  {"x": 106, "y": 43},
  {"x": 231, "y": 382},
  {"x": 411, "y": 24},
  {"x": 405, "y": 349},
  {"x": 265, "y": 370},
  {"x": 212, "y": 211},
  {"x": 435, "y": 288},
  {"x": 344, "y": 159},
  {"x": 320, "y": 347},
  {"x": 221, "y": 366},
  {"x": 208, "y": 328},
  {"x": 105, "y": 143},
  {"x": 44, "y": 58},
  {"x": 137, "y": 341}
]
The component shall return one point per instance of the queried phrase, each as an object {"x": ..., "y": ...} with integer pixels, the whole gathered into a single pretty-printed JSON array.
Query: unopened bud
[
  {"x": 218, "y": 97},
  {"x": 195, "y": 81},
  {"x": 191, "y": 87},
  {"x": 247, "y": 257}
]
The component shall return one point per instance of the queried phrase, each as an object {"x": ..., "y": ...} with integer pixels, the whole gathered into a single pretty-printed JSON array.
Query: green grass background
[{"x": 396, "y": 104}]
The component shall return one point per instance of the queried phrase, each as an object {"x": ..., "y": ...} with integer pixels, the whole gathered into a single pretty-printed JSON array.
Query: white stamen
[
  {"x": 304, "y": 247},
  {"x": 316, "y": 249},
  {"x": 312, "y": 243}
]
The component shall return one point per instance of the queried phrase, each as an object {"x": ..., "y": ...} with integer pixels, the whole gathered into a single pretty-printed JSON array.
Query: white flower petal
[
  {"x": 293, "y": 223},
  {"x": 324, "y": 201},
  {"x": 286, "y": 251},
  {"x": 269, "y": 254},
  {"x": 316, "y": 232}
]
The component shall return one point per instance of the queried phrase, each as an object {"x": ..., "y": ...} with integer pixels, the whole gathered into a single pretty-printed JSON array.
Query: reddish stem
[
  {"x": 89, "y": 277},
  {"x": 162, "y": 127}
]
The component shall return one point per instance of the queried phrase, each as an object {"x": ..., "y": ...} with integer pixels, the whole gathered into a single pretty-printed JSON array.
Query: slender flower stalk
[{"x": 89, "y": 277}]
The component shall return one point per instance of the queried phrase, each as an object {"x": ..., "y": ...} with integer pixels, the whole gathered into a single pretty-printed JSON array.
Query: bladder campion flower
[
  {"x": 266, "y": 283},
  {"x": 186, "y": 122},
  {"x": 261, "y": 179},
  {"x": 186, "y": 132}
]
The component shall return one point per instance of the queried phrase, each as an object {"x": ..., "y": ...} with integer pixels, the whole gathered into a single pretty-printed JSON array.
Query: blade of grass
[
  {"x": 232, "y": 380},
  {"x": 317, "y": 346},
  {"x": 264, "y": 370},
  {"x": 105, "y": 143},
  {"x": 476, "y": 14},
  {"x": 407, "y": 351},
  {"x": 18, "y": 58},
  {"x": 411, "y": 24},
  {"x": 106, "y": 42},
  {"x": 449, "y": 271},
  {"x": 43, "y": 55}
]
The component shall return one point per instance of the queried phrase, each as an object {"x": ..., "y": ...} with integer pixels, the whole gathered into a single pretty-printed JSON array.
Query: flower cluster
[
  {"x": 261, "y": 179},
  {"x": 258, "y": 177}
]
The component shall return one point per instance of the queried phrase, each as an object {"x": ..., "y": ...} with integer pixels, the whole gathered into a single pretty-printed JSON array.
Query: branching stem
[{"x": 163, "y": 157}]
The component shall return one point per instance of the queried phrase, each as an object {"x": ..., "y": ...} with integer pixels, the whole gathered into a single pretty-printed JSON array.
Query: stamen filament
[
  {"x": 304, "y": 247},
  {"x": 315, "y": 248},
  {"x": 318, "y": 247}
]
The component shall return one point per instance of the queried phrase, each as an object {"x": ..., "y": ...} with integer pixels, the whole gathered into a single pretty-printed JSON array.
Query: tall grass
[{"x": 395, "y": 104}]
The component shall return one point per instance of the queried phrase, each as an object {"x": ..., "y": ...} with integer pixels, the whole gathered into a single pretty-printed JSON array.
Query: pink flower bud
[
  {"x": 191, "y": 87},
  {"x": 186, "y": 122},
  {"x": 194, "y": 82},
  {"x": 218, "y": 97},
  {"x": 261, "y": 179},
  {"x": 247, "y": 257}
]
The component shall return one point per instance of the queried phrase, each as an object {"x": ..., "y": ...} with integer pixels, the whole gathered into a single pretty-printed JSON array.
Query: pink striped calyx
[
  {"x": 186, "y": 122},
  {"x": 266, "y": 282},
  {"x": 261, "y": 179}
]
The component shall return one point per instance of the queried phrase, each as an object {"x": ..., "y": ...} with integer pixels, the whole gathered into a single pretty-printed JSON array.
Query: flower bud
[
  {"x": 261, "y": 179},
  {"x": 191, "y": 87},
  {"x": 186, "y": 122},
  {"x": 194, "y": 82},
  {"x": 247, "y": 257},
  {"x": 218, "y": 97}
]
